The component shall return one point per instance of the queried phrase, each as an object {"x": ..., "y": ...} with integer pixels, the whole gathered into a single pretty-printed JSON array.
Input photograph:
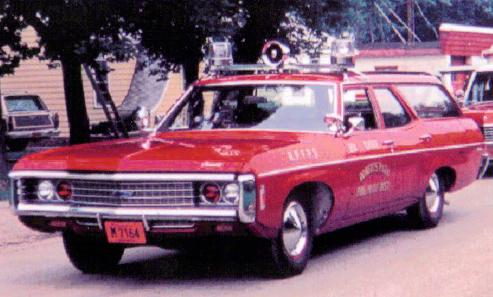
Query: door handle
[
  {"x": 425, "y": 137},
  {"x": 388, "y": 142}
]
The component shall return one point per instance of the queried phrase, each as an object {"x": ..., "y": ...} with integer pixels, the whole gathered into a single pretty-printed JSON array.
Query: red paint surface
[{"x": 269, "y": 155}]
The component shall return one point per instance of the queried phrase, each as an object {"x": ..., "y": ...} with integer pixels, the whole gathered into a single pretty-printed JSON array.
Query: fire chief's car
[{"x": 279, "y": 156}]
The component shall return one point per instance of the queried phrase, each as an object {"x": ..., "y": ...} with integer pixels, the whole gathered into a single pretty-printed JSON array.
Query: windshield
[
  {"x": 277, "y": 107},
  {"x": 481, "y": 88},
  {"x": 23, "y": 103}
]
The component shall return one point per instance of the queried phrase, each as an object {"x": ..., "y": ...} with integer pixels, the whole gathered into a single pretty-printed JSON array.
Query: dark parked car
[{"x": 27, "y": 117}]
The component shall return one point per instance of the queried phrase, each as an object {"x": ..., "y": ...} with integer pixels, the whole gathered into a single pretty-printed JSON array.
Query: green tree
[
  {"x": 174, "y": 32},
  {"x": 75, "y": 32},
  {"x": 12, "y": 51}
]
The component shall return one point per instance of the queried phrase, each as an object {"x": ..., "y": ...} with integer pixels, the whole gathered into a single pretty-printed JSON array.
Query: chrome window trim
[
  {"x": 177, "y": 103},
  {"x": 123, "y": 176}
]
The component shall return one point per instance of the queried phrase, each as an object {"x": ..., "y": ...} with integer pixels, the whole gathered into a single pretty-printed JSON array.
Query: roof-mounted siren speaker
[
  {"x": 344, "y": 50},
  {"x": 275, "y": 53},
  {"x": 218, "y": 52}
]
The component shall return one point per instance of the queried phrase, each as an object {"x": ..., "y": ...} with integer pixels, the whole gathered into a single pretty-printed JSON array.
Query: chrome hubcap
[
  {"x": 432, "y": 194},
  {"x": 294, "y": 229}
]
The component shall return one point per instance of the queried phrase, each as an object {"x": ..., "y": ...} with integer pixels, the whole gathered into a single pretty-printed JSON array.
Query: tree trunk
[
  {"x": 190, "y": 71},
  {"x": 74, "y": 100}
]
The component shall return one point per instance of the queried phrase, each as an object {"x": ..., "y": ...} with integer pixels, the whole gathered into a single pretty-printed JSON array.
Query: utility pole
[{"x": 410, "y": 21}]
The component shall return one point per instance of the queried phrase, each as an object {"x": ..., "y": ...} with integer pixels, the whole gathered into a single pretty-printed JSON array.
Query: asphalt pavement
[{"x": 384, "y": 257}]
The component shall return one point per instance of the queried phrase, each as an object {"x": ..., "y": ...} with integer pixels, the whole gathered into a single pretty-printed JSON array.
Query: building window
[{"x": 458, "y": 60}]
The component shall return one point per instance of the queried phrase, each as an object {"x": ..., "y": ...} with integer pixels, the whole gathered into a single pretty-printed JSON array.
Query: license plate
[{"x": 125, "y": 232}]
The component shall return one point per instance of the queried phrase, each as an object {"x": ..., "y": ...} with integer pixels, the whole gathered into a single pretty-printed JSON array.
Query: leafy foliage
[
  {"x": 362, "y": 17},
  {"x": 12, "y": 50}
]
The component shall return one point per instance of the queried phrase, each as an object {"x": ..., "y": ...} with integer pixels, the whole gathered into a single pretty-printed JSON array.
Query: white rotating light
[{"x": 218, "y": 52}]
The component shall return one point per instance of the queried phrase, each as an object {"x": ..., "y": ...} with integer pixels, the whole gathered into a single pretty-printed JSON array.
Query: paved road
[{"x": 379, "y": 258}]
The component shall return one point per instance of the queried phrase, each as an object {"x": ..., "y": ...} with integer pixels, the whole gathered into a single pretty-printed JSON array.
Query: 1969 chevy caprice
[{"x": 279, "y": 156}]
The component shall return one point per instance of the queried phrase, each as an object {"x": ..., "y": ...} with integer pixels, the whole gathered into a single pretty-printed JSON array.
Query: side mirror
[{"x": 335, "y": 123}]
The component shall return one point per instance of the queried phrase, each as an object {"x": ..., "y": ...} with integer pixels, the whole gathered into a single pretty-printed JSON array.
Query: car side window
[
  {"x": 394, "y": 115},
  {"x": 357, "y": 104},
  {"x": 429, "y": 101}
]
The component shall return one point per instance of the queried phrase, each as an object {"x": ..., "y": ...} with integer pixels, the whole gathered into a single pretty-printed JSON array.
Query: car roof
[{"x": 350, "y": 78}]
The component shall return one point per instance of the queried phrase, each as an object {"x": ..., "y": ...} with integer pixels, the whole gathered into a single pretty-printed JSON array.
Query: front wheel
[
  {"x": 91, "y": 255},
  {"x": 427, "y": 212},
  {"x": 292, "y": 247}
]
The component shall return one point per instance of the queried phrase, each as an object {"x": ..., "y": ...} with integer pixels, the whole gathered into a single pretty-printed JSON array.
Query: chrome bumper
[
  {"x": 33, "y": 134},
  {"x": 485, "y": 162},
  {"x": 129, "y": 213}
]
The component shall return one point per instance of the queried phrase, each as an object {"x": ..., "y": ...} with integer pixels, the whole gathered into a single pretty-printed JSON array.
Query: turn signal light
[
  {"x": 64, "y": 190},
  {"x": 211, "y": 193}
]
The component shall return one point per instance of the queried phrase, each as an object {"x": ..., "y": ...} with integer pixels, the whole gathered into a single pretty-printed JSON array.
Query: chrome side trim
[
  {"x": 124, "y": 176},
  {"x": 100, "y": 213},
  {"x": 336, "y": 162}
]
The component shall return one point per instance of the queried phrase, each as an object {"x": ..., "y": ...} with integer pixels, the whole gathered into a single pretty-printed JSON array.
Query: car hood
[{"x": 194, "y": 151}]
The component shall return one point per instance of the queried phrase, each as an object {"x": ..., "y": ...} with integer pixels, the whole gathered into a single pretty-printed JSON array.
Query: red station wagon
[{"x": 282, "y": 156}]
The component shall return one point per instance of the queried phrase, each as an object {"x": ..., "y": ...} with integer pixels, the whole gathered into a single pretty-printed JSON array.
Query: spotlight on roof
[
  {"x": 218, "y": 52},
  {"x": 344, "y": 49}
]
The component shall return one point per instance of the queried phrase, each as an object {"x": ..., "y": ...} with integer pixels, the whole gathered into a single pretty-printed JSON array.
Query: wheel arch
[
  {"x": 448, "y": 176},
  {"x": 319, "y": 198}
]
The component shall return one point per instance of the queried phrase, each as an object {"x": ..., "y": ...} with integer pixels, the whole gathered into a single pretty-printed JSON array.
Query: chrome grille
[
  {"x": 32, "y": 120},
  {"x": 488, "y": 133},
  {"x": 120, "y": 193},
  {"x": 133, "y": 193}
]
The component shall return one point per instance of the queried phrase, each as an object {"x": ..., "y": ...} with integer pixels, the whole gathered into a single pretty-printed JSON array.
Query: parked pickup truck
[
  {"x": 285, "y": 154},
  {"x": 27, "y": 117}
]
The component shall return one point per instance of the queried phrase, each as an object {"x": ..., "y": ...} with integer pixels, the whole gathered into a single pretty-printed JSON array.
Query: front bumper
[
  {"x": 33, "y": 133},
  {"x": 126, "y": 213},
  {"x": 149, "y": 215}
]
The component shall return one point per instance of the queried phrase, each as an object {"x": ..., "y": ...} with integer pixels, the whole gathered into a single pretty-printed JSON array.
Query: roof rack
[
  {"x": 235, "y": 69},
  {"x": 397, "y": 72}
]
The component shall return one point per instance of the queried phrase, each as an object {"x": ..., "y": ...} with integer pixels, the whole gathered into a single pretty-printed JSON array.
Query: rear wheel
[
  {"x": 428, "y": 211},
  {"x": 292, "y": 247},
  {"x": 91, "y": 255}
]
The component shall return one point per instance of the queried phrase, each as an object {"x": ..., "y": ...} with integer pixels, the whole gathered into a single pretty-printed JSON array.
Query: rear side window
[
  {"x": 429, "y": 101},
  {"x": 393, "y": 113}
]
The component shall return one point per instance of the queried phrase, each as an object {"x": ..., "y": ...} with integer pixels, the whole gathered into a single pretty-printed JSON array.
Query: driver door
[{"x": 369, "y": 172}]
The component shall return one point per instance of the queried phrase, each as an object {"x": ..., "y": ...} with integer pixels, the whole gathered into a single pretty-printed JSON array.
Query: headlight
[
  {"x": 211, "y": 193},
  {"x": 231, "y": 193},
  {"x": 46, "y": 190}
]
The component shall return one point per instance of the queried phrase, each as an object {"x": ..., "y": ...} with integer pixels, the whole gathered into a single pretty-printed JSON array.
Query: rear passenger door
[{"x": 439, "y": 117}]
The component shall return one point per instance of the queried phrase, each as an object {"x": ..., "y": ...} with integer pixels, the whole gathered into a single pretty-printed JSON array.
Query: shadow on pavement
[{"x": 247, "y": 260}]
